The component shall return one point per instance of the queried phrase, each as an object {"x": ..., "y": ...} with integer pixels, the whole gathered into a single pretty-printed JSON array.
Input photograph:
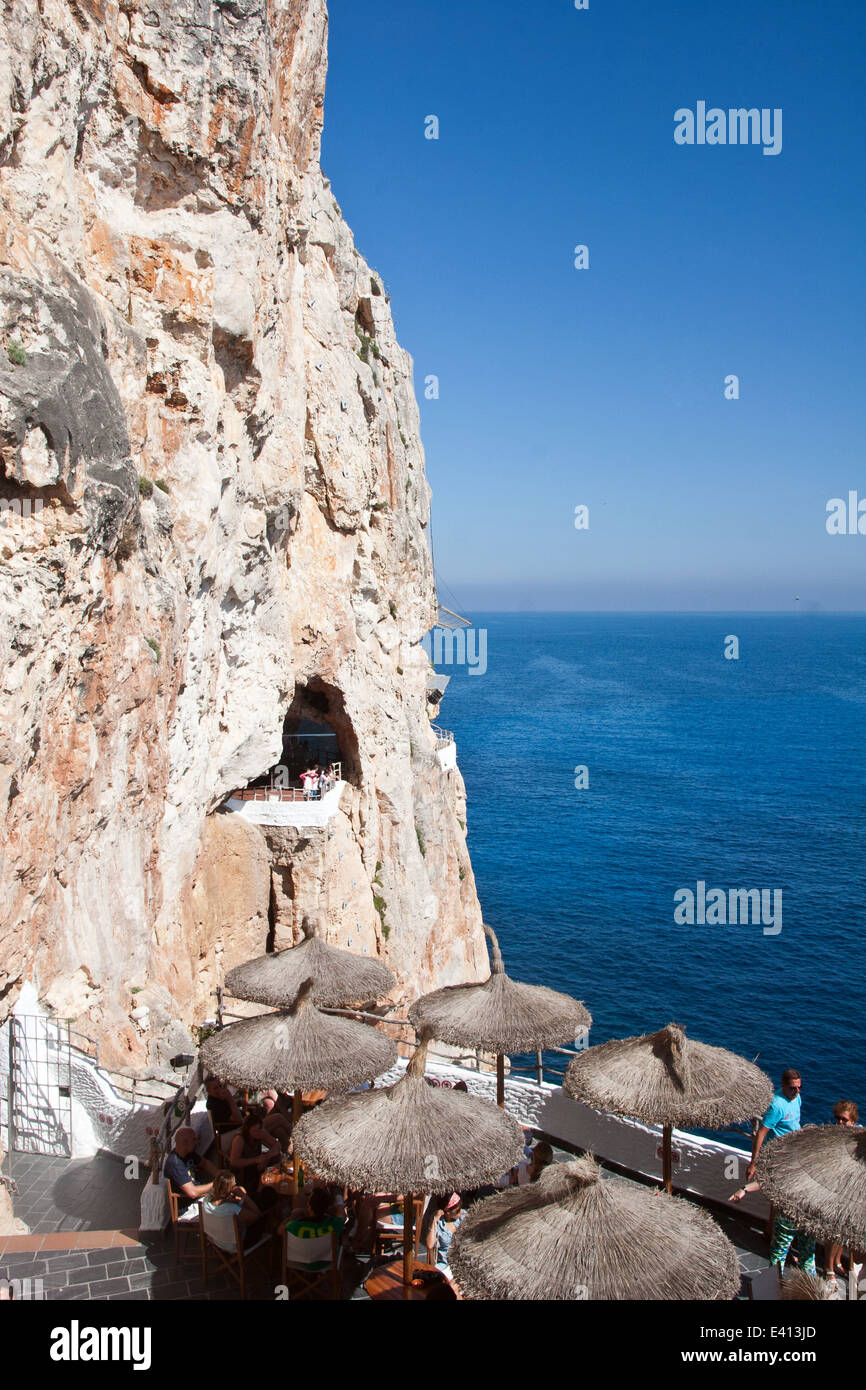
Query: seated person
[
  {"x": 222, "y": 1106},
  {"x": 252, "y": 1151},
  {"x": 227, "y": 1200},
  {"x": 186, "y": 1168},
  {"x": 277, "y": 1119},
  {"x": 314, "y": 1218},
  {"x": 443, "y": 1215},
  {"x": 542, "y": 1157}
]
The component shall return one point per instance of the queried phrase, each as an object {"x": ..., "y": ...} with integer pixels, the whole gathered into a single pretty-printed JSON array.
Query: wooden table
[
  {"x": 281, "y": 1183},
  {"x": 386, "y": 1282}
]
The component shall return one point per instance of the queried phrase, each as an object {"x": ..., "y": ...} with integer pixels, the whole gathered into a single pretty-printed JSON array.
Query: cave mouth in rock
[{"x": 316, "y": 730}]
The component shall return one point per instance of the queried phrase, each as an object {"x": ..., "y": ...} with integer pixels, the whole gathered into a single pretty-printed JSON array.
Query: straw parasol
[
  {"x": 410, "y": 1138},
  {"x": 299, "y": 1049},
  {"x": 340, "y": 978},
  {"x": 667, "y": 1079},
  {"x": 817, "y": 1177},
  {"x": 576, "y": 1235},
  {"x": 501, "y": 1016}
]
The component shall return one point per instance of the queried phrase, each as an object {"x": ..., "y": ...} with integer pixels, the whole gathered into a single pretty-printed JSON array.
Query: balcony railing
[
  {"x": 274, "y": 793},
  {"x": 444, "y": 737}
]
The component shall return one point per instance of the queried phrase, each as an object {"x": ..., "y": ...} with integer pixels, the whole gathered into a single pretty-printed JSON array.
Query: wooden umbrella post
[
  {"x": 297, "y": 1110},
  {"x": 667, "y": 1163},
  {"x": 408, "y": 1238},
  {"x": 500, "y": 1080}
]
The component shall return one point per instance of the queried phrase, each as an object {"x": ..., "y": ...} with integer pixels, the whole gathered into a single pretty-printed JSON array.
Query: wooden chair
[
  {"x": 224, "y": 1133},
  {"x": 388, "y": 1237},
  {"x": 312, "y": 1262},
  {"x": 183, "y": 1222},
  {"x": 232, "y": 1260}
]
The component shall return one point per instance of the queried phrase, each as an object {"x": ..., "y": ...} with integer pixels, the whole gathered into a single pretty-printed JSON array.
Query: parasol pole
[
  {"x": 297, "y": 1112},
  {"x": 667, "y": 1161},
  {"x": 408, "y": 1240},
  {"x": 500, "y": 1080}
]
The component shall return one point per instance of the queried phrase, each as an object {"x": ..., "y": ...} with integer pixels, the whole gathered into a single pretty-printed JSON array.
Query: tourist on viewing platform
[
  {"x": 310, "y": 780},
  {"x": 782, "y": 1117},
  {"x": 186, "y": 1168},
  {"x": 845, "y": 1113}
]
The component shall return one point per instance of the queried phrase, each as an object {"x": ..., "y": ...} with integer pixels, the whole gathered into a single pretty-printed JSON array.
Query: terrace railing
[{"x": 274, "y": 793}]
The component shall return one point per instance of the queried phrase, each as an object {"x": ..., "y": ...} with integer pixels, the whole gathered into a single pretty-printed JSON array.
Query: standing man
[{"x": 783, "y": 1117}]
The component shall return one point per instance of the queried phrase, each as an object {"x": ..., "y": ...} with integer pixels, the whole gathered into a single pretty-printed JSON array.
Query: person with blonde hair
[{"x": 227, "y": 1201}]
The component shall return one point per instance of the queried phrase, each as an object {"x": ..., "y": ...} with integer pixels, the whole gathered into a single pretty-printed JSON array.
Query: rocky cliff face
[{"x": 212, "y": 511}]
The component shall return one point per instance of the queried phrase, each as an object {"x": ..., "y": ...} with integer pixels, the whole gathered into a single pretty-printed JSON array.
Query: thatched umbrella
[
  {"x": 500, "y": 1015},
  {"x": 817, "y": 1177},
  {"x": 299, "y": 1049},
  {"x": 574, "y": 1235},
  {"x": 410, "y": 1138},
  {"x": 667, "y": 1079},
  {"x": 340, "y": 978}
]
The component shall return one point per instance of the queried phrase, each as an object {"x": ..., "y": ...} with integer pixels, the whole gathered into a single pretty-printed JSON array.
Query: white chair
[
  {"x": 212, "y": 1234},
  {"x": 312, "y": 1262}
]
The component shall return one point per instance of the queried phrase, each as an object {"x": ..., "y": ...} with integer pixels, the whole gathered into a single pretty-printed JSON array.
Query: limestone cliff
[{"x": 213, "y": 510}]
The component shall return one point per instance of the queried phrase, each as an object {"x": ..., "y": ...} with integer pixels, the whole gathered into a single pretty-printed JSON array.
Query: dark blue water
[{"x": 747, "y": 773}]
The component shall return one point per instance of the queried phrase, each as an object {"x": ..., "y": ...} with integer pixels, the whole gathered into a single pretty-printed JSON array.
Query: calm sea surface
[{"x": 743, "y": 774}]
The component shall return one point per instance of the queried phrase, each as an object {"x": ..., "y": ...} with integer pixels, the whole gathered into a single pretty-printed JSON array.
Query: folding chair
[
  {"x": 232, "y": 1260},
  {"x": 388, "y": 1235},
  {"x": 183, "y": 1222},
  {"x": 312, "y": 1262}
]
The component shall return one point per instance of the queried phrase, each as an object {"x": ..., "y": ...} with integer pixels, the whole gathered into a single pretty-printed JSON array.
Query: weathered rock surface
[{"x": 181, "y": 302}]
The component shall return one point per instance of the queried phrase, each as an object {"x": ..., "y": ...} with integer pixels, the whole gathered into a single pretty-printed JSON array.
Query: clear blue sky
[{"x": 606, "y": 386}]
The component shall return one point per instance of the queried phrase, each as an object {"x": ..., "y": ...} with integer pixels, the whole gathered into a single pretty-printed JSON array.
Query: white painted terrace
[{"x": 285, "y": 806}]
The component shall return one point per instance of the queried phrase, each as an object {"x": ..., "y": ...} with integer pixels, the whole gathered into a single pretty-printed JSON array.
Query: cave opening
[{"x": 317, "y": 732}]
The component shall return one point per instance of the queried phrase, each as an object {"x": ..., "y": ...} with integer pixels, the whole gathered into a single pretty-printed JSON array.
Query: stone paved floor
[
  {"x": 84, "y": 1218},
  {"x": 80, "y": 1194}
]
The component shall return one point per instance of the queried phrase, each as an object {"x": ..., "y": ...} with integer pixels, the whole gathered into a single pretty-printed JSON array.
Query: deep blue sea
[{"x": 747, "y": 773}]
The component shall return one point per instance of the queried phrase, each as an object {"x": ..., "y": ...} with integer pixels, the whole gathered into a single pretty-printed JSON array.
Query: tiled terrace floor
[{"x": 83, "y": 1216}]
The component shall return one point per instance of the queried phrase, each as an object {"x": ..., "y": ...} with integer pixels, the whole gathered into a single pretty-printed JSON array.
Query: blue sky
[{"x": 605, "y": 387}]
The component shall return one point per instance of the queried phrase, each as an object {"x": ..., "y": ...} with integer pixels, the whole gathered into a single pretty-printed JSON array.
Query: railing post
[{"x": 539, "y": 1069}]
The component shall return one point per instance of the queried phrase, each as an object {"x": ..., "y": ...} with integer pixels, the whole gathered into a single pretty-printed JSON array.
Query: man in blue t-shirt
[
  {"x": 186, "y": 1168},
  {"x": 782, "y": 1117}
]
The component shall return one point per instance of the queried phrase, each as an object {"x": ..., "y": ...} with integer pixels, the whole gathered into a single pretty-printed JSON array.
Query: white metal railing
[
  {"x": 444, "y": 737},
  {"x": 291, "y": 793}
]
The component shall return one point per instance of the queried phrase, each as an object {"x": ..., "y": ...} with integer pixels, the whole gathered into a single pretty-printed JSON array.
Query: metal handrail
[{"x": 476, "y": 1058}]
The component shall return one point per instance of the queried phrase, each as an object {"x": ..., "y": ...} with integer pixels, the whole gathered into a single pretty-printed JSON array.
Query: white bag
[{"x": 155, "y": 1214}]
